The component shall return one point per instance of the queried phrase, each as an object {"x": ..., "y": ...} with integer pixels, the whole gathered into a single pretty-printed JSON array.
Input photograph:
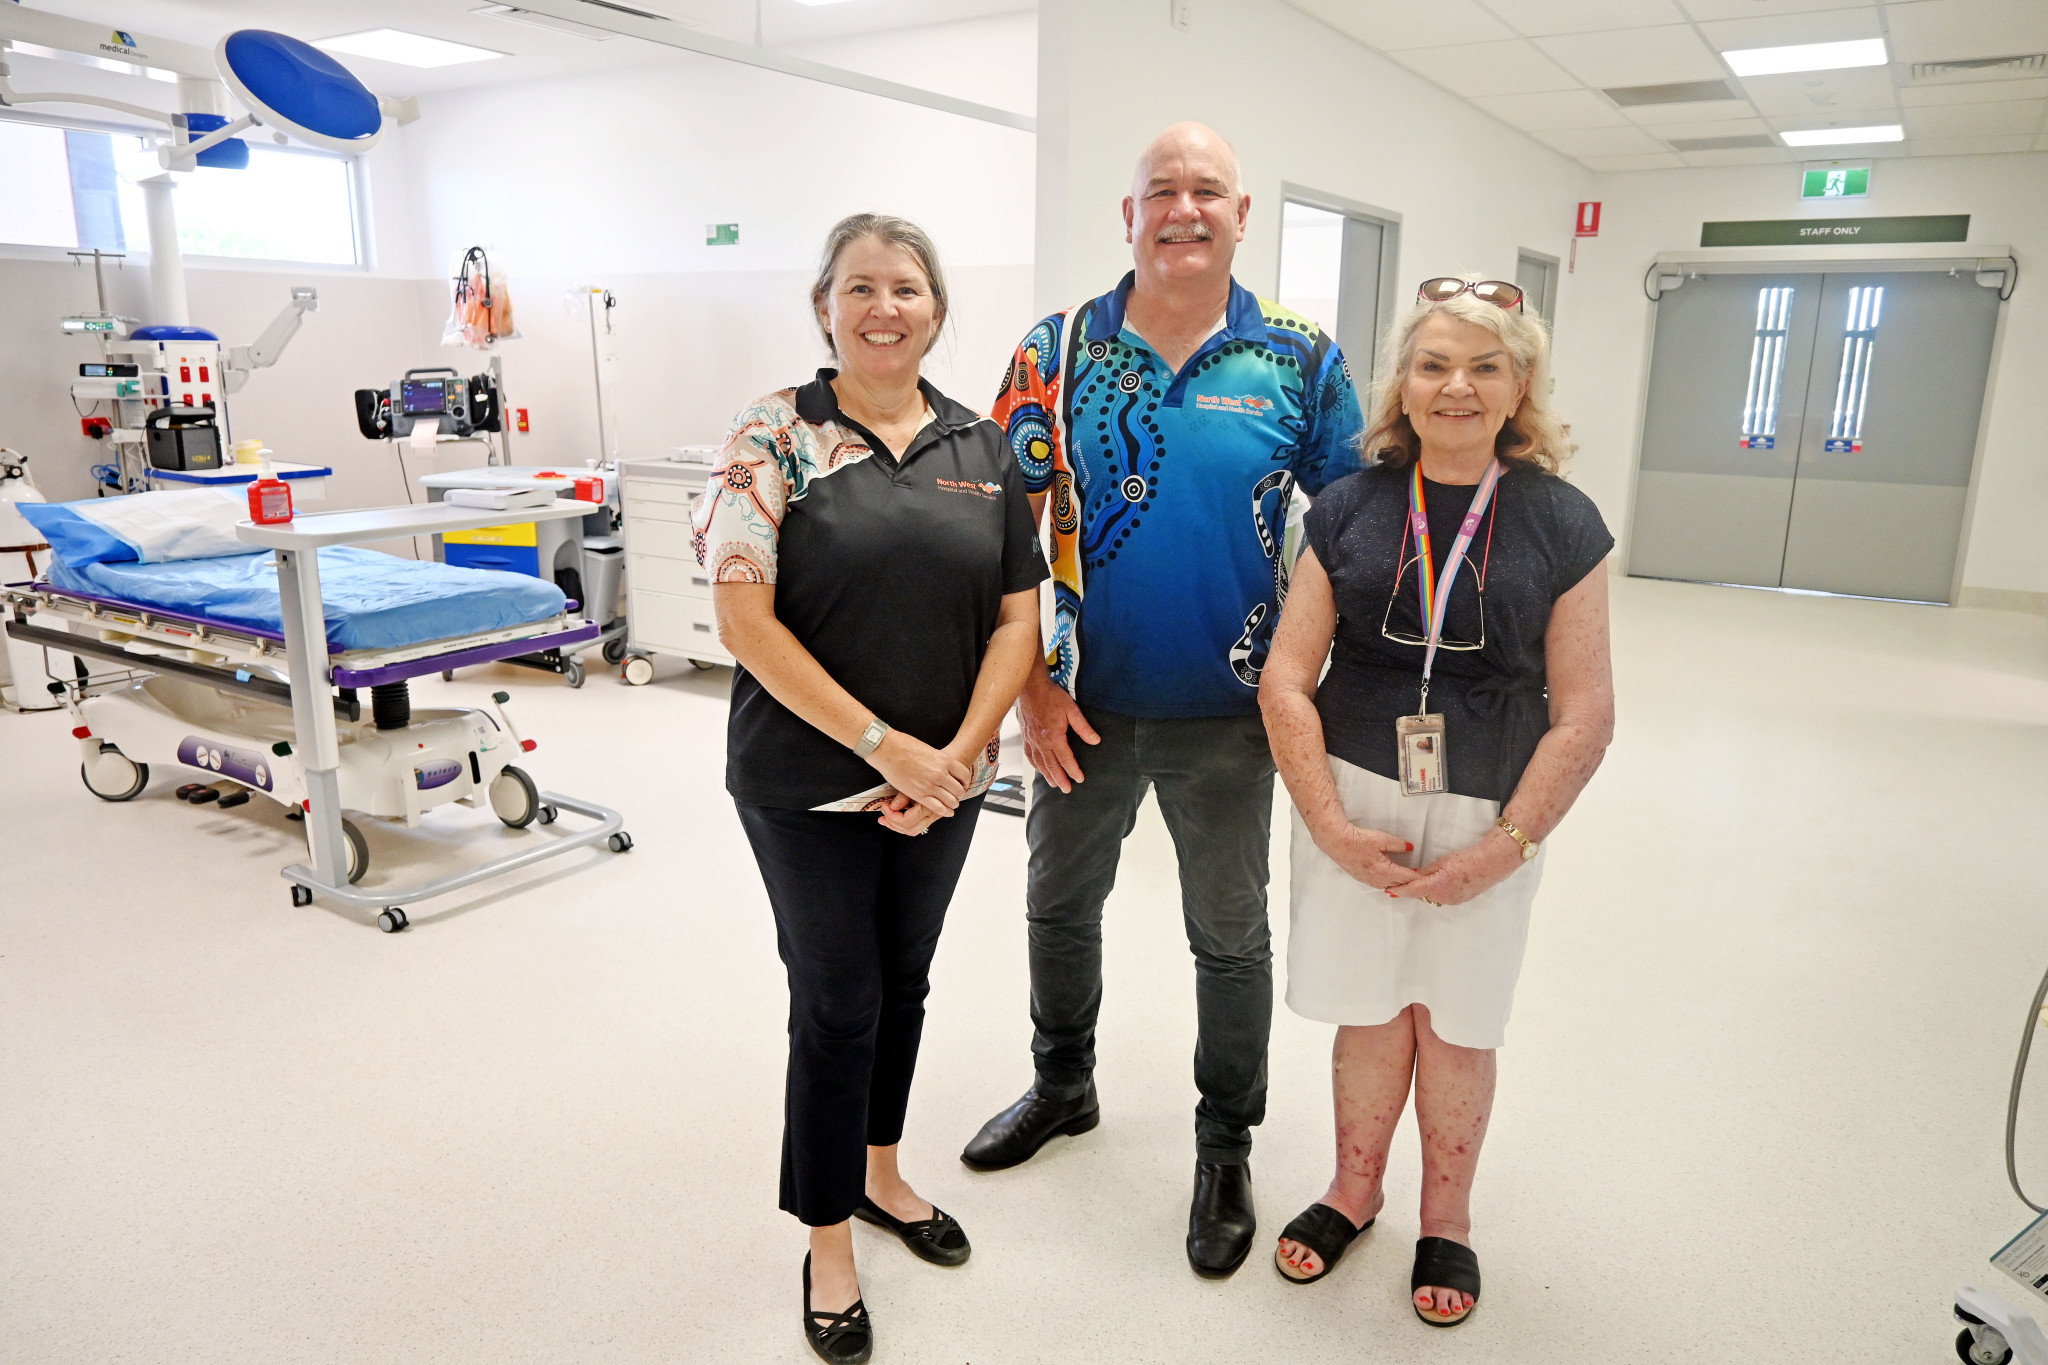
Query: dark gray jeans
[{"x": 1215, "y": 783}]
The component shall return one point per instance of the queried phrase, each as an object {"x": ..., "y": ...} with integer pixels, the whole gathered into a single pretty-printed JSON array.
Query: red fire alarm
[
  {"x": 1589, "y": 219},
  {"x": 521, "y": 412}
]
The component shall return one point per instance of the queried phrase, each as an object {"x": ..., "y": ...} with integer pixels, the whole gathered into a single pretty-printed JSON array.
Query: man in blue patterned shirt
[{"x": 1168, "y": 422}]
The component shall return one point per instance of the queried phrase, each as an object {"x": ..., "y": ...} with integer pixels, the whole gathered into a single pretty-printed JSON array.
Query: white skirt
[{"x": 1358, "y": 956}]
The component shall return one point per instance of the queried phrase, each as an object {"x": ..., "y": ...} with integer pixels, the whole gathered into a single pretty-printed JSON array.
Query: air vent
[
  {"x": 1684, "y": 92},
  {"x": 1720, "y": 144},
  {"x": 1978, "y": 69}
]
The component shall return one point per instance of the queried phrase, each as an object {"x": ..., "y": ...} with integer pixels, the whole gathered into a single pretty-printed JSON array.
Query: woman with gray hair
[
  {"x": 1457, "y": 589},
  {"x": 875, "y": 573}
]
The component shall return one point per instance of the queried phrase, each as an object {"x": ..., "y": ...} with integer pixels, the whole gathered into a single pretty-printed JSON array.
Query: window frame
[{"x": 358, "y": 192}]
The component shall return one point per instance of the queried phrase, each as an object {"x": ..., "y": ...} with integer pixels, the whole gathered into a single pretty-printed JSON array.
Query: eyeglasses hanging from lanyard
[{"x": 1499, "y": 293}]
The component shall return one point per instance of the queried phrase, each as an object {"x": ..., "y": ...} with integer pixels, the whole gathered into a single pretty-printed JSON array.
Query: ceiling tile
[
  {"x": 1661, "y": 161},
  {"x": 1751, "y": 9},
  {"x": 1976, "y": 120},
  {"x": 1783, "y": 30},
  {"x": 1739, "y": 156},
  {"x": 1952, "y": 30},
  {"x": 1635, "y": 56},
  {"x": 1966, "y": 146},
  {"x": 1734, "y": 127},
  {"x": 1601, "y": 141},
  {"x": 1392, "y": 24},
  {"x": 1539, "y": 18},
  {"x": 1654, "y": 116},
  {"x": 1820, "y": 92},
  {"x": 1973, "y": 92},
  {"x": 1510, "y": 68},
  {"x": 1553, "y": 109}
]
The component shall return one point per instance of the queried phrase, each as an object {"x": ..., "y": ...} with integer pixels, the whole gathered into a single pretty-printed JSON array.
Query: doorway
[
  {"x": 1336, "y": 267},
  {"x": 1536, "y": 274},
  {"x": 1814, "y": 426}
]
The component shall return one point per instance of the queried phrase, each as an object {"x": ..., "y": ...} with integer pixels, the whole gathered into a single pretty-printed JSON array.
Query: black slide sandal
[
  {"x": 846, "y": 1338},
  {"x": 939, "y": 1239},
  {"x": 1326, "y": 1232},
  {"x": 1443, "y": 1264}
]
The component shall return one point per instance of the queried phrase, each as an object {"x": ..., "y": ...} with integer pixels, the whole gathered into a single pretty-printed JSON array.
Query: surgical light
[
  {"x": 1832, "y": 137},
  {"x": 1779, "y": 61},
  {"x": 406, "y": 49}
]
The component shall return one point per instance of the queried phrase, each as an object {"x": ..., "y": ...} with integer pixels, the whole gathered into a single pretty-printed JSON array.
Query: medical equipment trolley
[{"x": 668, "y": 592}]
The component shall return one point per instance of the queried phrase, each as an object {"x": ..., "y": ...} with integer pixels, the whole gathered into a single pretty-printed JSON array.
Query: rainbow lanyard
[{"x": 1436, "y": 597}]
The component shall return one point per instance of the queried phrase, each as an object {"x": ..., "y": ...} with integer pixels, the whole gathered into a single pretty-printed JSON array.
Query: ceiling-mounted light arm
[
  {"x": 184, "y": 156},
  {"x": 10, "y": 97},
  {"x": 1661, "y": 279}
]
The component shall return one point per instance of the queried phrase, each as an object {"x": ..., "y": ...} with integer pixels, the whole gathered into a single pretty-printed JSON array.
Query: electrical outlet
[{"x": 1182, "y": 14}]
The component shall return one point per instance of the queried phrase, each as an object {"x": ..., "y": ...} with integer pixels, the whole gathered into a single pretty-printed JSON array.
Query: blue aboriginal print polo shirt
[{"x": 1169, "y": 494}]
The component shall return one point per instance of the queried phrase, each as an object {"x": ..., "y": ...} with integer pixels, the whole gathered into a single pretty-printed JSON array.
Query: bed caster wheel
[
  {"x": 447, "y": 675},
  {"x": 113, "y": 776},
  {"x": 393, "y": 920},
  {"x": 702, "y": 665},
  {"x": 572, "y": 673},
  {"x": 615, "y": 651},
  {"x": 1991, "y": 1351},
  {"x": 514, "y": 797},
  {"x": 548, "y": 815},
  {"x": 621, "y": 842},
  {"x": 302, "y": 895},
  {"x": 639, "y": 671}
]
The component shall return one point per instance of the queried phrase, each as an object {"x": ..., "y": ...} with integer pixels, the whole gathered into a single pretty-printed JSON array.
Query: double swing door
[{"x": 1813, "y": 430}]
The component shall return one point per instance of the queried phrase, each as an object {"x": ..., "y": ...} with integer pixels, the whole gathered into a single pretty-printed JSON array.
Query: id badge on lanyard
[{"x": 1420, "y": 740}]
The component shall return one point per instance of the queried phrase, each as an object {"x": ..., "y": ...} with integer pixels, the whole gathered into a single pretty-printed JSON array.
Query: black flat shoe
[
  {"x": 1221, "y": 1221},
  {"x": 1324, "y": 1231},
  {"x": 939, "y": 1239},
  {"x": 846, "y": 1338},
  {"x": 1014, "y": 1136},
  {"x": 1444, "y": 1264}
]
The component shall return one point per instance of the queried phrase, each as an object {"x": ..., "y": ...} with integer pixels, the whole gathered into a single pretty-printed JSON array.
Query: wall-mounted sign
[
  {"x": 1927, "y": 227},
  {"x": 1835, "y": 182},
  {"x": 1589, "y": 219},
  {"x": 721, "y": 234}
]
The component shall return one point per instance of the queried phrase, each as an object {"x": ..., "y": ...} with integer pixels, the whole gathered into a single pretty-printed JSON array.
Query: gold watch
[{"x": 1507, "y": 827}]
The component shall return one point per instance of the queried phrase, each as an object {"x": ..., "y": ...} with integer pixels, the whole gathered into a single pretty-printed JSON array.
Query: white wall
[
  {"x": 1301, "y": 103},
  {"x": 1603, "y": 343},
  {"x": 611, "y": 181}
]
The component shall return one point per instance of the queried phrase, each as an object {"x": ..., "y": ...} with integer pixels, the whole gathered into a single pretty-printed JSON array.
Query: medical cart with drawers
[{"x": 668, "y": 592}]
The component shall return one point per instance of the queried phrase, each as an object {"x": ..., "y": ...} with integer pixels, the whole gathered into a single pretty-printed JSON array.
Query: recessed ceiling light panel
[
  {"x": 406, "y": 49},
  {"x": 1835, "y": 137},
  {"x": 1778, "y": 61}
]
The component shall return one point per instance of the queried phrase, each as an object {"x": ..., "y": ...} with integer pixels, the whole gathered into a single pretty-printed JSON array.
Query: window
[
  {"x": 70, "y": 188},
  {"x": 1852, "y": 385},
  {"x": 1766, "y": 367}
]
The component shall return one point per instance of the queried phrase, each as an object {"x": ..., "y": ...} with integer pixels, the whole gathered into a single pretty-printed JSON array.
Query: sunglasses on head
[{"x": 1499, "y": 293}]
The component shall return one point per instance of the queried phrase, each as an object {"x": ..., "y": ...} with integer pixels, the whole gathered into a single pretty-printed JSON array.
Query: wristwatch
[
  {"x": 872, "y": 737},
  {"x": 1507, "y": 827}
]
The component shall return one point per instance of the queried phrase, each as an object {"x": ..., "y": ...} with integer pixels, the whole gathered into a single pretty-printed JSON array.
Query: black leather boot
[
  {"x": 1014, "y": 1136},
  {"x": 1221, "y": 1222}
]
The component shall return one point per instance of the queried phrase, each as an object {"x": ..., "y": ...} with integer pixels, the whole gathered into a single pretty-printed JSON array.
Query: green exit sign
[
  {"x": 1836, "y": 182},
  {"x": 721, "y": 234}
]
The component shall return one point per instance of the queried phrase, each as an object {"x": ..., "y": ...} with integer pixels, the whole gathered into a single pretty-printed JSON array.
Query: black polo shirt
[{"x": 890, "y": 569}]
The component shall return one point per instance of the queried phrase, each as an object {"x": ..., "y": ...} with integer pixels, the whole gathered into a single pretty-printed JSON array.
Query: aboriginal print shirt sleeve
[
  {"x": 736, "y": 526},
  {"x": 1028, "y": 409},
  {"x": 1329, "y": 447}
]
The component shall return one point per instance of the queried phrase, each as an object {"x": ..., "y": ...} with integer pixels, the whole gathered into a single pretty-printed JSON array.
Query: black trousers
[
  {"x": 1215, "y": 783},
  {"x": 858, "y": 909}
]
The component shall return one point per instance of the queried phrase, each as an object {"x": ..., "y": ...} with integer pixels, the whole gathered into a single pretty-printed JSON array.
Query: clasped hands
[
  {"x": 930, "y": 783},
  {"x": 1368, "y": 855}
]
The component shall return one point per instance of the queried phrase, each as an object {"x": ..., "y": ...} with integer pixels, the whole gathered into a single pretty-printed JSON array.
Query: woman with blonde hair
[{"x": 1458, "y": 590}]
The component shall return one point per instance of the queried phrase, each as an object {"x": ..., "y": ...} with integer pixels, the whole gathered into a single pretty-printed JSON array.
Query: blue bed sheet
[{"x": 373, "y": 600}]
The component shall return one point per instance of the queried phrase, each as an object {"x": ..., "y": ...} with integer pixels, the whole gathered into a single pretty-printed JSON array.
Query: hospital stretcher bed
[{"x": 256, "y": 667}]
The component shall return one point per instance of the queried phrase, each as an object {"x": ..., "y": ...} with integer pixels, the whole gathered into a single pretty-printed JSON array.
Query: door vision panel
[
  {"x": 1900, "y": 361},
  {"x": 1728, "y": 396}
]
